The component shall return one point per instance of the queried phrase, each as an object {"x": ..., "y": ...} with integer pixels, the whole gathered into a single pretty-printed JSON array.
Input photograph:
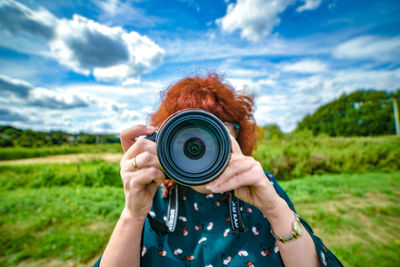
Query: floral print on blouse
[{"x": 203, "y": 234}]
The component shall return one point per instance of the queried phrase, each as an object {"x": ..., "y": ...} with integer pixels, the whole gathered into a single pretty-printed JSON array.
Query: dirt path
[{"x": 70, "y": 158}]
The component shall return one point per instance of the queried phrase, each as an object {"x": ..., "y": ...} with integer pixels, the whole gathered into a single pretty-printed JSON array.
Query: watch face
[{"x": 297, "y": 227}]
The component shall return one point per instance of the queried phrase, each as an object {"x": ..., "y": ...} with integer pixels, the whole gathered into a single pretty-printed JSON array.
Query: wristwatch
[{"x": 296, "y": 232}]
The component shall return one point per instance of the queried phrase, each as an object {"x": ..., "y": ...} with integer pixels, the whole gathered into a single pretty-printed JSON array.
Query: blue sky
[{"x": 98, "y": 66}]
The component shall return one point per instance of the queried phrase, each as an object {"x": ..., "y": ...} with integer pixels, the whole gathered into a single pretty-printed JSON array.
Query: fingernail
[{"x": 151, "y": 128}]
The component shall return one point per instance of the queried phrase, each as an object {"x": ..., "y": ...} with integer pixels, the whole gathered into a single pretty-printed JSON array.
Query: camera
[{"x": 193, "y": 147}]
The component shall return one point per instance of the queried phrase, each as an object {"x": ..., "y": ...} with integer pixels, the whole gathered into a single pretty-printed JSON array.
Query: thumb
[{"x": 128, "y": 136}]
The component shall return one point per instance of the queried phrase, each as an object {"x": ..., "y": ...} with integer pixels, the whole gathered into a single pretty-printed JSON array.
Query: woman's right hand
[{"x": 140, "y": 184}]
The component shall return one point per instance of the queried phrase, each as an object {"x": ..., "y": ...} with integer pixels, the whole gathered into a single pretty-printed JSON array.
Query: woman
[{"x": 275, "y": 236}]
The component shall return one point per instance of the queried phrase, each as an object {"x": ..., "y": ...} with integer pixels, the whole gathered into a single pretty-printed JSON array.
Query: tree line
[
  {"x": 361, "y": 113},
  {"x": 12, "y": 137}
]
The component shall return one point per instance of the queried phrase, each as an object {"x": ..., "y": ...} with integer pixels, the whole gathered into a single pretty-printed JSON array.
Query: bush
[
  {"x": 300, "y": 154},
  {"x": 107, "y": 174}
]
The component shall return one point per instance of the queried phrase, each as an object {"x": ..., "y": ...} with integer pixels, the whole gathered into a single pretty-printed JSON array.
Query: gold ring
[{"x": 134, "y": 165}]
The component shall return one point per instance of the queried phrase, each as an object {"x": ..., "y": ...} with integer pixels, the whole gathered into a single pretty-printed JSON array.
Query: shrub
[
  {"x": 300, "y": 154},
  {"x": 107, "y": 174}
]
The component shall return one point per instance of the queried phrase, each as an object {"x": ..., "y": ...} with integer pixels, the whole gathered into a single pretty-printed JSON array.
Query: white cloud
[
  {"x": 251, "y": 86},
  {"x": 110, "y": 52},
  {"x": 309, "y": 5},
  {"x": 368, "y": 79},
  {"x": 111, "y": 7},
  {"x": 281, "y": 99},
  {"x": 113, "y": 108},
  {"x": 382, "y": 49},
  {"x": 292, "y": 97},
  {"x": 201, "y": 48},
  {"x": 118, "y": 12},
  {"x": 55, "y": 99},
  {"x": 112, "y": 122},
  {"x": 254, "y": 18},
  {"x": 16, "y": 87},
  {"x": 240, "y": 72},
  {"x": 242, "y": 85},
  {"x": 306, "y": 66},
  {"x": 10, "y": 115},
  {"x": 18, "y": 92},
  {"x": 309, "y": 85},
  {"x": 131, "y": 115},
  {"x": 25, "y": 117},
  {"x": 15, "y": 17},
  {"x": 90, "y": 108},
  {"x": 85, "y": 46},
  {"x": 102, "y": 125}
]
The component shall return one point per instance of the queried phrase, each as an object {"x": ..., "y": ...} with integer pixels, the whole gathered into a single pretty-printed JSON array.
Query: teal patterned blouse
[{"x": 203, "y": 234}]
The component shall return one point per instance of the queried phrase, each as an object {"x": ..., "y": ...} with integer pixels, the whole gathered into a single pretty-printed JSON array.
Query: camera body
[{"x": 193, "y": 147}]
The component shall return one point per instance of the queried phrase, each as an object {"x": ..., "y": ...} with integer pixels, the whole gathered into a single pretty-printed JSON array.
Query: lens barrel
[{"x": 193, "y": 147}]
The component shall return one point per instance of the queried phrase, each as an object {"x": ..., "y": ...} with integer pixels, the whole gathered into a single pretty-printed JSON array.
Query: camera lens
[{"x": 194, "y": 148}]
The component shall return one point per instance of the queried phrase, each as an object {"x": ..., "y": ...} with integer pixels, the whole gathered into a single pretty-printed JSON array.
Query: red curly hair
[{"x": 210, "y": 94}]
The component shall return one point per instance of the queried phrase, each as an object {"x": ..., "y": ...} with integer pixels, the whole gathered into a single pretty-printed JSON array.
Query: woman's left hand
[{"x": 246, "y": 176}]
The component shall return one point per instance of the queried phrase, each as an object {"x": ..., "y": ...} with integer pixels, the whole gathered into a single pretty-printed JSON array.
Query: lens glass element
[
  {"x": 194, "y": 148},
  {"x": 199, "y": 145}
]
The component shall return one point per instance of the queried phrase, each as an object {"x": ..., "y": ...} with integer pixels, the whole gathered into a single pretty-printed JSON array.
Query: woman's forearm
[
  {"x": 123, "y": 249},
  {"x": 297, "y": 252}
]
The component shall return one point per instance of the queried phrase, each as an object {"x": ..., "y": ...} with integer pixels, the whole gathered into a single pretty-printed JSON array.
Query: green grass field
[
  {"x": 356, "y": 215},
  {"x": 348, "y": 189}
]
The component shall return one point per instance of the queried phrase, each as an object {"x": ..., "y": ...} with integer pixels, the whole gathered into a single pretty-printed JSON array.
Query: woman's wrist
[
  {"x": 129, "y": 216},
  {"x": 280, "y": 216},
  {"x": 273, "y": 207}
]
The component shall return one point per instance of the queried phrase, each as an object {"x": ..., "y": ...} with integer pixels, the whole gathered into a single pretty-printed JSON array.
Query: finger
[
  {"x": 249, "y": 177},
  {"x": 234, "y": 172},
  {"x": 142, "y": 160},
  {"x": 140, "y": 146},
  {"x": 231, "y": 184},
  {"x": 128, "y": 136},
  {"x": 154, "y": 185},
  {"x": 235, "y": 146},
  {"x": 147, "y": 159},
  {"x": 142, "y": 177}
]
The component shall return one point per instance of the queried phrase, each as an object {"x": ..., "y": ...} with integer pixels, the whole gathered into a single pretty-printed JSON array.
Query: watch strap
[{"x": 296, "y": 231}]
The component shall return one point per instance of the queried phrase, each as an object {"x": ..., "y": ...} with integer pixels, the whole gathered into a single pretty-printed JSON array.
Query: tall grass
[
  {"x": 298, "y": 155},
  {"x": 95, "y": 173}
]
